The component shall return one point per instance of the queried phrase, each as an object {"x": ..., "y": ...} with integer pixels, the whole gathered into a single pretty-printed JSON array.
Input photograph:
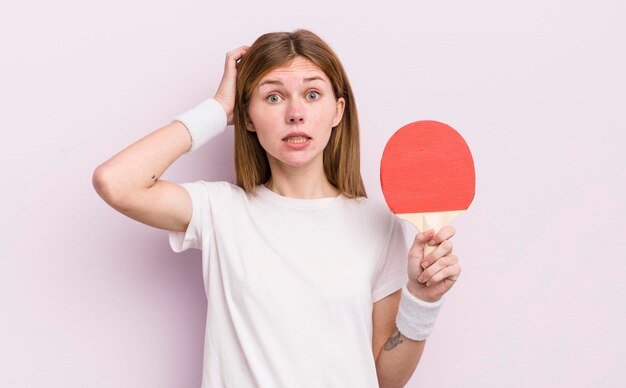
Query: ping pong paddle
[{"x": 427, "y": 175}]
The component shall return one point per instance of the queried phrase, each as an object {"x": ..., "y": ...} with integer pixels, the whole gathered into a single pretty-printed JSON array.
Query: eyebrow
[{"x": 277, "y": 82}]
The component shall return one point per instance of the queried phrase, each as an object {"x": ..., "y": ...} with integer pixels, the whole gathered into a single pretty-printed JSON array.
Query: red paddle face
[{"x": 427, "y": 167}]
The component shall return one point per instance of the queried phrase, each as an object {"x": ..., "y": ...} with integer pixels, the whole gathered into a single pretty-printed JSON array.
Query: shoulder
[
  {"x": 372, "y": 206},
  {"x": 374, "y": 210},
  {"x": 223, "y": 187},
  {"x": 215, "y": 192}
]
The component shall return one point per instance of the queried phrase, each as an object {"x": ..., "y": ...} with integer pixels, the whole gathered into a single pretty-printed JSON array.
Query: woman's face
[{"x": 293, "y": 110}]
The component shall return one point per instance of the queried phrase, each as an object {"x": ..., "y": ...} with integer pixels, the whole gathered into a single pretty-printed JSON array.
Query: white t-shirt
[{"x": 290, "y": 285}]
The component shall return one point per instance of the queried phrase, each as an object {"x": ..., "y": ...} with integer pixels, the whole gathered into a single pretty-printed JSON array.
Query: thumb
[
  {"x": 420, "y": 241},
  {"x": 425, "y": 236}
]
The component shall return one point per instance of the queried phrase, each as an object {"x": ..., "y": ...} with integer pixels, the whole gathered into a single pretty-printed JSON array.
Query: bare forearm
[
  {"x": 397, "y": 361},
  {"x": 139, "y": 165}
]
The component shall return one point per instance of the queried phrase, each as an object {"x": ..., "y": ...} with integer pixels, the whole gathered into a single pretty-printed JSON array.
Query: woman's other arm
[{"x": 129, "y": 181}]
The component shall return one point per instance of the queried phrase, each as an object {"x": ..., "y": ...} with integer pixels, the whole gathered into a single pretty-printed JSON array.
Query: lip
[
  {"x": 297, "y": 146},
  {"x": 294, "y": 134}
]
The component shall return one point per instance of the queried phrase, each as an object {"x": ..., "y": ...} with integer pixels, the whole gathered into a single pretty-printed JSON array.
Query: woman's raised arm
[{"x": 129, "y": 181}]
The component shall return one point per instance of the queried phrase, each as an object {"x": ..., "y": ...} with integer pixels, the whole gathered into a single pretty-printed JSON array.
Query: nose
[
  {"x": 296, "y": 119},
  {"x": 295, "y": 113}
]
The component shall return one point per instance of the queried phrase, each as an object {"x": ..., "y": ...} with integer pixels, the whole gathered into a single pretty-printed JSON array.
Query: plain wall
[{"x": 90, "y": 298}]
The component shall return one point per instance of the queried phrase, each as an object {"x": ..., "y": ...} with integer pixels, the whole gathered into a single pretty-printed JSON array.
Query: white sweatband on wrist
[
  {"x": 416, "y": 318},
  {"x": 204, "y": 122}
]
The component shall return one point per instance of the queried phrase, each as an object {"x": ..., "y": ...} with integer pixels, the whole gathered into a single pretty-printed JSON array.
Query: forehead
[{"x": 299, "y": 69}]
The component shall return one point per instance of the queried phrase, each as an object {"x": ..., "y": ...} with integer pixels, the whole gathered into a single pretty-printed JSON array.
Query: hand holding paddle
[{"x": 427, "y": 177}]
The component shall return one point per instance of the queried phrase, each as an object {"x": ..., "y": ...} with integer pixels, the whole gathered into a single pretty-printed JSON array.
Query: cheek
[
  {"x": 260, "y": 116},
  {"x": 325, "y": 118},
  {"x": 263, "y": 130},
  {"x": 264, "y": 124}
]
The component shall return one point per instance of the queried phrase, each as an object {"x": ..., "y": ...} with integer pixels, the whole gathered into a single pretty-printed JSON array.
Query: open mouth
[{"x": 296, "y": 139}]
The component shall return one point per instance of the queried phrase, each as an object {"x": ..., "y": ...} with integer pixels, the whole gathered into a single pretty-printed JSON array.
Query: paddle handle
[{"x": 434, "y": 220}]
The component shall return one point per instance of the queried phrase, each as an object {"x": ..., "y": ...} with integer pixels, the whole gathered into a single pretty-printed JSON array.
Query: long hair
[{"x": 342, "y": 153}]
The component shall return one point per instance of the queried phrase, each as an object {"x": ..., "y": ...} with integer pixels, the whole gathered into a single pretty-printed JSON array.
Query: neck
[{"x": 307, "y": 182}]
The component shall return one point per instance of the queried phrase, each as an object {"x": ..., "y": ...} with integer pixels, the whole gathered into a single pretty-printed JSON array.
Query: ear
[
  {"x": 341, "y": 105},
  {"x": 250, "y": 125}
]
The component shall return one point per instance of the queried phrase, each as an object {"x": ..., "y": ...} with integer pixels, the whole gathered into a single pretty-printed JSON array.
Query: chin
[{"x": 297, "y": 162}]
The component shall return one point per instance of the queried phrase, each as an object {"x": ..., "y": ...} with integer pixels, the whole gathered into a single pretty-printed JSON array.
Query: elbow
[
  {"x": 97, "y": 180},
  {"x": 101, "y": 180}
]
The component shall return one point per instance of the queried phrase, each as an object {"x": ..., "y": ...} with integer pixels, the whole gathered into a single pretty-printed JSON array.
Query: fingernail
[{"x": 424, "y": 264}]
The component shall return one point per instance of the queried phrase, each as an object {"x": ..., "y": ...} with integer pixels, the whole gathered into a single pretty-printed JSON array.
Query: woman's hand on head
[{"x": 226, "y": 91}]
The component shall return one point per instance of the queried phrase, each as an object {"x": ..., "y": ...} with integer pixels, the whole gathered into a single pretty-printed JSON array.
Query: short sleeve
[
  {"x": 392, "y": 274},
  {"x": 192, "y": 237}
]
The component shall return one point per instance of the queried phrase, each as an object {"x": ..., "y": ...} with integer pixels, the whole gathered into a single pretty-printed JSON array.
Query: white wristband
[
  {"x": 416, "y": 318},
  {"x": 204, "y": 122}
]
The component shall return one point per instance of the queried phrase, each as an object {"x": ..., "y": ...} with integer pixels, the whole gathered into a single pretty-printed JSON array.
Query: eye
[
  {"x": 273, "y": 98},
  {"x": 314, "y": 93}
]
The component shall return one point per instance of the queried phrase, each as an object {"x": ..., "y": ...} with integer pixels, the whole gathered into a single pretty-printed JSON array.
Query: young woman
[{"x": 309, "y": 283}]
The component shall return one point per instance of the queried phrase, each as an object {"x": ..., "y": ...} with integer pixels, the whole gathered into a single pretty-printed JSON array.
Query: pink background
[{"x": 90, "y": 298}]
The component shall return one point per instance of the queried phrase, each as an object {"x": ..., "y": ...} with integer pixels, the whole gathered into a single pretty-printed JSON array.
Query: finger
[
  {"x": 426, "y": 235},
  {"x": 241, "y": 52},
  {"x": 450, "y": 272},
  {"x": 230, "y": 67},
  {"x": 232, "y": 57},
  {"x": 437, "y": 266},
  {"x": 444, "y": 234},
  {"x": 417, "y": 249},
  {"x": 238, "y": 51},
  {"x": 423, "y": 237},
  {"x": 443, "y": 249}
]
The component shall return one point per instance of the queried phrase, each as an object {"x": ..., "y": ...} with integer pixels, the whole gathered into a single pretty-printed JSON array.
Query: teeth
[{"x": 297, "y": 139}]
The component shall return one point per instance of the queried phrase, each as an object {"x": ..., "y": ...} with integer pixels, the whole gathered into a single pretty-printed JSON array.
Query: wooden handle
[{"x": 425, "y": 221}]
